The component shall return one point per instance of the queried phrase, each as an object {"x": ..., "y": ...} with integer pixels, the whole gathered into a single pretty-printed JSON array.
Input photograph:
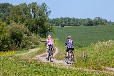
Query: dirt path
[
  {"x": 43, "y": 59},
  {"x": 30, "y": 51},
  {"x": 63, "y": 64},
  {"x": 108, "y": 68}
]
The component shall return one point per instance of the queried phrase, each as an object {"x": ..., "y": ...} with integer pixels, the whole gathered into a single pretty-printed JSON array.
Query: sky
[{"x": 75, "y": 8}]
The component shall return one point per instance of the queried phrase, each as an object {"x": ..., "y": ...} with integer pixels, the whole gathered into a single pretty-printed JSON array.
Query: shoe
[
  {"x": 47, "y": 59},
  {"x": 67, "y": 62},
  {"x": 51, "y": 61}
]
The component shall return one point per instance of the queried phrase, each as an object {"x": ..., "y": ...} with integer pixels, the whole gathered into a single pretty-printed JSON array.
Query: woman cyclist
[{"x": 50, "y": 48}]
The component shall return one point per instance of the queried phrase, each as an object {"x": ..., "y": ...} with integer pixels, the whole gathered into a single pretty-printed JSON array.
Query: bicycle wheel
[
  {"x": 50, "y": 54},
  {"x": 72, "y": 57},
  {"x": 68, "y": 58}
]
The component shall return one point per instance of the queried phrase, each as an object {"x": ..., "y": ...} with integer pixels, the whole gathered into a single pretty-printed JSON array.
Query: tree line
[
  {"x": 33, "y": 16},
  {"x": 66, "y": 21},
  {"x": 21, "y": 26}
]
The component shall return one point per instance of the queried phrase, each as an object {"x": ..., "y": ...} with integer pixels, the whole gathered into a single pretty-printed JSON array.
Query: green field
[
  {"x": 84, "y": 35},
  {"x": 98, "y": 42},
  {"x": 20, "y": 67},
  {"x": 98, "y": 54}
]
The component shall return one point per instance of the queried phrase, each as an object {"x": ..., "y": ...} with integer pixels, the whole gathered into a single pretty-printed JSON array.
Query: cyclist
[
  {"x": 70, "y": 47},
  {"x": 50, "y": 48}
]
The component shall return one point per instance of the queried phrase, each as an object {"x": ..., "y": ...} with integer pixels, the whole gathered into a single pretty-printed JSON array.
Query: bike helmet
[
  {"x": 49, "y": 35},
  {"x": 69, "y": 36}
]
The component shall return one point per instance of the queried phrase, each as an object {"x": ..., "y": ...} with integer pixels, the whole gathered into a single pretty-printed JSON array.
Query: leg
[
  {"x": 71, "y": 55},
  {"x": 48, "y": 52},
  {"x": 51, "y": 56},
  {"x": 67, "y": 53},
  {"x": 67, "y": 56},
  {"x": 51, "y": 53}
]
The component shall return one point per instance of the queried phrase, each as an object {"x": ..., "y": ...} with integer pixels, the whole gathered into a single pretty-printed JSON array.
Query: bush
[
  {"x": 17, "y": 32},
  {"x": 30, "y": 41},
  {"x": 21, "y": 37},
  {"x": 16, "y": 36},
  {"x": 4, "y": 37}
]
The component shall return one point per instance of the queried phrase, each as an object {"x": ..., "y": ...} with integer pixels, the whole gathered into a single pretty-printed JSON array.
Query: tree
[
  {"x": 66, "y": 21},
  {"x": 34, "y": 16},
  {"x": 39, "y": 19},
  {"x": 88, "y": 22},
  {"x": 5, "y": 11}
]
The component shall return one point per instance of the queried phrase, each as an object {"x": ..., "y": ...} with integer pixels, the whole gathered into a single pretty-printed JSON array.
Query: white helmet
[
  {"x": 69, "y": 36},
  {"x": 49, "y": 35}
]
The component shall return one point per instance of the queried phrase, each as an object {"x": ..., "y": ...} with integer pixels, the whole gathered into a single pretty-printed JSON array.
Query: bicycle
[
  {"x": 50, "y": 53},
  {"x": 69, "y": 57}
]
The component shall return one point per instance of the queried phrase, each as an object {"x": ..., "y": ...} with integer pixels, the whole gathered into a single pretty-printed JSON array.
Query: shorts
[
  {"x": 50, "y": 48},
  {"x": 69, "y": 49}
]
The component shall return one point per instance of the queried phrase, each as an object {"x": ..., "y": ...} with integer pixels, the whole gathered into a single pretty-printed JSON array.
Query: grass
[
  {"x": 97, "y": 41},
  {"x": 97, "y": 55},
  {"x": 100, "y": 53},
  {"x": 19, "y": 67},
  {"x": 84, "y": 35}
]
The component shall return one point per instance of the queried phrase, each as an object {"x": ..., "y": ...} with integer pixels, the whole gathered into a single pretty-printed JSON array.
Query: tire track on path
[
  {"x": 43, "y": 59},
  {"x": 30, "y": 51}
]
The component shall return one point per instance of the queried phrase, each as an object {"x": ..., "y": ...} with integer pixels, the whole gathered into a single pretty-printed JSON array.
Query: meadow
[
  {"x": 84, "y": 35},
  {"x": 96, "y": 41},
  {"x": 20, "y": 67},
  {"x": 98, "y": 56}
]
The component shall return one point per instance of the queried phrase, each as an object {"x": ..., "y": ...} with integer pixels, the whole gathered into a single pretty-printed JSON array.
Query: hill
[{"x": 84, "y": 35}]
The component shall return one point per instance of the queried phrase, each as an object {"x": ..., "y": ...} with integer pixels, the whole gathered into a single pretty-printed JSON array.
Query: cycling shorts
[
  {"x": 69, "y": 49},
  {"x": 50, "y": 47}
]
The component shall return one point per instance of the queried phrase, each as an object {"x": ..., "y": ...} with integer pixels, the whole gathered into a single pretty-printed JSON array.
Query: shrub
[
  {"x": 4, "y": 37},
  {"x": 21, "y": 37},
  {"x": 30, "y": 41},
  {"x": 17, "y": 32}
]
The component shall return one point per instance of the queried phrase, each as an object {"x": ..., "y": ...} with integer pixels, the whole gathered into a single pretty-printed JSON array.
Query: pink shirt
[{"x": 49, "y": 41}]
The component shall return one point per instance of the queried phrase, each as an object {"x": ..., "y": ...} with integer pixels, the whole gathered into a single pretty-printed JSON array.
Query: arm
[{"x": 66, "y": 43}]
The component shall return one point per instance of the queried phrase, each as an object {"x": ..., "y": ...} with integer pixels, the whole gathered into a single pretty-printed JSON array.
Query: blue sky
[{"x": 75, "y": 8}]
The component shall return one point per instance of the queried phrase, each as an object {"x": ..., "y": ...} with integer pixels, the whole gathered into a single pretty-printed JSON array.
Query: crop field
[
  {"x": 20, "y": 67},
  {"x": 98, "y": 42},
  {"x": 84, "y": 35},
  {"x": 97, "y": 56},
  {"x": 100, "y": 53}
]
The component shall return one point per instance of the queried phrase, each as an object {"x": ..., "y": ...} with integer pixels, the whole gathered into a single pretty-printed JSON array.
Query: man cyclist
[
  {"x": 70, "y": 47},
  {"x": 50, "y": 48}
]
